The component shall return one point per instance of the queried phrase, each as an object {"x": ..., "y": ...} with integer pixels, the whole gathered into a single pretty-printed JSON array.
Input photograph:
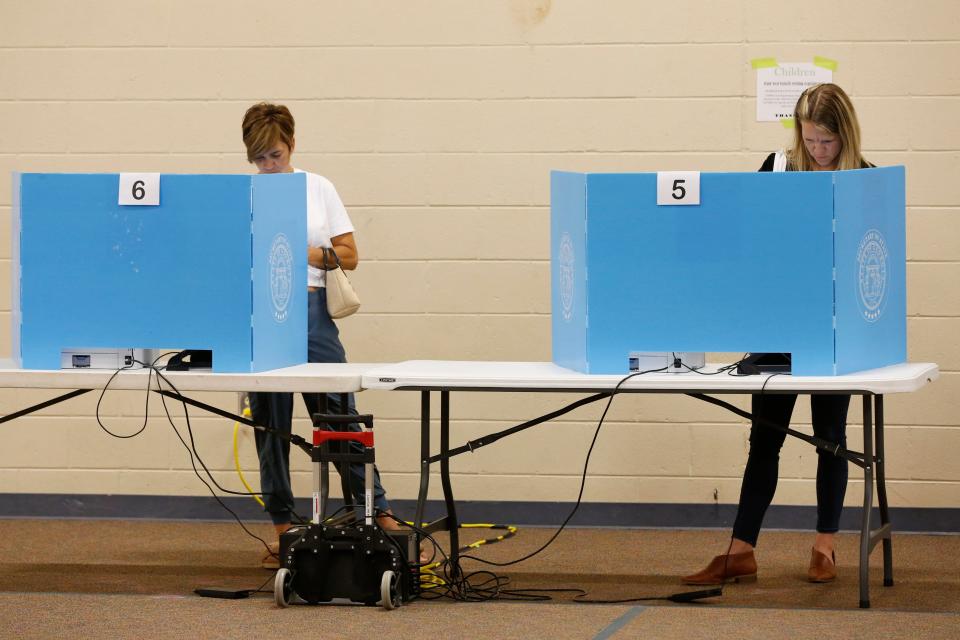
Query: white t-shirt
[{"x": 326, "y": 218}]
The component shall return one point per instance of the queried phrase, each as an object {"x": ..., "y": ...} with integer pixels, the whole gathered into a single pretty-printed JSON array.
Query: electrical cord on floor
[
  {"x": 583, "y": 477},
  {"x": 426, "y": 567},
  {"x": 478, "y": 591},
  {"x": 479, "y": 586},
  {"x": 509, "y": 528},
  {"x": 450, "y": 584},
  {"x": 428, "y": 576},
  {"x": 483, "y": 586},
  {"x": 683, "y": 597}
]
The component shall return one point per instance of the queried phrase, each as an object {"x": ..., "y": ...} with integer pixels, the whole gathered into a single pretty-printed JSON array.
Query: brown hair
[
  {"x": 828, "y": 107},
  {"x": 264, "y": 125}
]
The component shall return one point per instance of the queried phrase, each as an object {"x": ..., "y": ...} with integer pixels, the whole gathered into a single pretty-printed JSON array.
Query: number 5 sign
[
  {"x": 139, "y": 188},
  {"x": 678, "y": 187}
]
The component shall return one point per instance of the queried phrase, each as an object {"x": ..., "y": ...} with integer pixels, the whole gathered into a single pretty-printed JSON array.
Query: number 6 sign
[
  {"x": 139, "y": 188},
  {"x": 678, "y": 187}
]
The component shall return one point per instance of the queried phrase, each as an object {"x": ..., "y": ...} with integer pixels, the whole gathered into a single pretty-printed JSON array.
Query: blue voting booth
[
  {"x": 220, "y": 264},
  {"x": 811, "y": 264}
]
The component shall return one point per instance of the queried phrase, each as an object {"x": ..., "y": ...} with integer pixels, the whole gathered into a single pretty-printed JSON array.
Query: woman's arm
[{"x": 345, "y": 248}]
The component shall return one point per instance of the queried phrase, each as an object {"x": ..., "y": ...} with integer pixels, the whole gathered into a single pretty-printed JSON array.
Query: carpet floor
[{"x": 135, "y": 578}]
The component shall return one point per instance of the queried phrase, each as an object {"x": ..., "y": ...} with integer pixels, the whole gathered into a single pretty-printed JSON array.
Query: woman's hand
[{"x": 344, "y": 248}]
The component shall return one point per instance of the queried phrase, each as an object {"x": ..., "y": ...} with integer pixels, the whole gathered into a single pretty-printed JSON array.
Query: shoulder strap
[{"x": 780, "y": 161}]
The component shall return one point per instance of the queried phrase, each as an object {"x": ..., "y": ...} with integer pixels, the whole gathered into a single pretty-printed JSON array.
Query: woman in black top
[{"x": 827, "y": 138}]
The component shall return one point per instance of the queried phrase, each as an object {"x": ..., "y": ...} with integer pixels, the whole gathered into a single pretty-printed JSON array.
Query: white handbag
[{"x": 342, "y": 300}]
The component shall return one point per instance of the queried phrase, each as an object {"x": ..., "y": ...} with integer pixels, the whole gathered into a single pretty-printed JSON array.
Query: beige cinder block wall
[{"x": 439, "y": 123}]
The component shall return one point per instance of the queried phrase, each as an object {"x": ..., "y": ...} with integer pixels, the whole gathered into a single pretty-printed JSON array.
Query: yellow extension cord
[
  {"x": 236, "y": 451},
  {"x": 428, "y": 577}
]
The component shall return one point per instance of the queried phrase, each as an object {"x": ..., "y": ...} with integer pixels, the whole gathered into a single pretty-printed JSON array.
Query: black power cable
[
  {"x": 824, "y": 445},
  {"x": 464, "y": 586},
  {"x": 195, "y": 456},
  {"x": 583, "y": 477},
  {"x": 456, "y": 584},
  {"x": 191, "y": 448},
  {"x": 146, "y": 410}
]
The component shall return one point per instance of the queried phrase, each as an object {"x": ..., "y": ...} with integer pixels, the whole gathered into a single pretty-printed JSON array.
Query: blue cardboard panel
[
  {"x": 279, "y": 271},
  {"x": 97, "y": 274},
  {"x": 568, "y": 269},
  {"x": 871, "y": 268},
  {"x": 808, "y": 263},
  {"x": 749, "y": 269},
  {"x": 15, "y": 271},
  {"x": 181, "y": 274}
]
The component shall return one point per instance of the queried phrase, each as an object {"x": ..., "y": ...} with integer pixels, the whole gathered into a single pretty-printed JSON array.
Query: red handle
[{"x": 363, "y": 437}]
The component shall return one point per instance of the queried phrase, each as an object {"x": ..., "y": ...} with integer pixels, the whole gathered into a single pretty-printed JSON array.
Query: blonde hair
[
  {"x": 264, "y": 125},
  {"x": 828, "y": 107}
]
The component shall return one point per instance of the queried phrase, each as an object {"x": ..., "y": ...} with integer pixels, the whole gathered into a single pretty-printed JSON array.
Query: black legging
[{"x": 829, "y": 417}]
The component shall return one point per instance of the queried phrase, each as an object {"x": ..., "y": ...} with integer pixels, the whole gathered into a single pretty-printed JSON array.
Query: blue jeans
[
  {"x": 275, "y": 410},
  {"x": 829, "y": 417}
]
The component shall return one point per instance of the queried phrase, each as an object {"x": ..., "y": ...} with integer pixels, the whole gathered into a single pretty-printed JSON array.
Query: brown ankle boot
[
  {"x": 822, "y": 568},
  {"x": 736, "y": 567}
]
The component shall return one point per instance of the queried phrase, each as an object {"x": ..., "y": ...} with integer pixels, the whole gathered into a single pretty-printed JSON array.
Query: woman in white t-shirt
[{"x": 268, "y": 134}]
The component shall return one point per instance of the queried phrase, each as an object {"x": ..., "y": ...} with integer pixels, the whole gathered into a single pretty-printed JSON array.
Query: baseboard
[{"x": 546, "y": 514}]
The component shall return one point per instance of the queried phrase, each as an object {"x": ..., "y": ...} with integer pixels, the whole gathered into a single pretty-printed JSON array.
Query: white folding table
[
  {"x": 303, "y": 378},
  {"x": 340, "y": 378},
  {"x": 448, "y": 376}
]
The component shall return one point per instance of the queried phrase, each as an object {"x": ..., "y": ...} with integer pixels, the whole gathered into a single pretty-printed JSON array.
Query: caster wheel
[
  {"x": 281, "y": 587},
  {"x": 389, "y": 590}
]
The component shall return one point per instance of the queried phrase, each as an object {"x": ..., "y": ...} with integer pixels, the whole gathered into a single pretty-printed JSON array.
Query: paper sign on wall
[{"x": 780, "y": 85}]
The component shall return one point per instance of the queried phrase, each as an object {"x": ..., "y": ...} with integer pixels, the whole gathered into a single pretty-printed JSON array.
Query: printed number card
[
  {"x": 678, "y": 187},
  {"x": 139, "y": 189}
]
